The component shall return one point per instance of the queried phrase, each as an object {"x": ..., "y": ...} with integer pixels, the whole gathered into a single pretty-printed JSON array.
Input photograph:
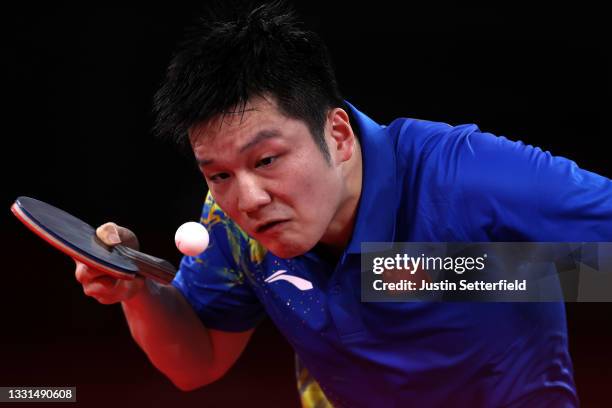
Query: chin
[{"x": 288, "y": 251}]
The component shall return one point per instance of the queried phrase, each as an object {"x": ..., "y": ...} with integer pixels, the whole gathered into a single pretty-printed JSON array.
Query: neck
[{"x": 341, "y": 228}]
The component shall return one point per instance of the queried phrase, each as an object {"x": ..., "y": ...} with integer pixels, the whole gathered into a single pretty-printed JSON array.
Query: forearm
[{"x": 165, "y": 326}]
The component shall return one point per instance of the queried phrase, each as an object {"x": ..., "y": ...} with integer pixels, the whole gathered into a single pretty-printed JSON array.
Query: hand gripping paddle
[{"x": 78, "y": 240}]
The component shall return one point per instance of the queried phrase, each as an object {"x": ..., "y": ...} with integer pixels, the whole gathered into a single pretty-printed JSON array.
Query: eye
[
  {"x": 217, "y": 178},
  {"x": 266, "y": 161}
]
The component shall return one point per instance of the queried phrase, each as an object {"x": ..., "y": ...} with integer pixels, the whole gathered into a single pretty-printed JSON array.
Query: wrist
[{"x": 139, "y": 290}]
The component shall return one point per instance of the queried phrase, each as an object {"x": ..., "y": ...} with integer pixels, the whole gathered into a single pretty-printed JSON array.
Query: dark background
[{"x": 77, "y": 135}]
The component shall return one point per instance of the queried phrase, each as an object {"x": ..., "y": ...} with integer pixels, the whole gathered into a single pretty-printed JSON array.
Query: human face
[{"x": 268, "y": 175}]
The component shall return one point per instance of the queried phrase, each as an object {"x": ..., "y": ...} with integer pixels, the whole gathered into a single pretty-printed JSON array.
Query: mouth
[{"x": 270, "y": 226}]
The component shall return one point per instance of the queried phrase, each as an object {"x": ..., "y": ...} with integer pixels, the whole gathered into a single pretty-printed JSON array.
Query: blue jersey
[{"x": 422, "y": 181}]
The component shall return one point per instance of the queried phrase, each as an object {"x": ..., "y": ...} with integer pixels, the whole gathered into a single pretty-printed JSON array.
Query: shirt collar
[{"x": 377, "y": 209}]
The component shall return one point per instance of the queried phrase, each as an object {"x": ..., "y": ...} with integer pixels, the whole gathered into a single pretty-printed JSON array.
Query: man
[{"x": 298, "y": 179}]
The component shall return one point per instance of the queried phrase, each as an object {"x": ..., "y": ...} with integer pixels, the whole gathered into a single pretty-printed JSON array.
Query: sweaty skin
[{"x": 269, "y": 176}]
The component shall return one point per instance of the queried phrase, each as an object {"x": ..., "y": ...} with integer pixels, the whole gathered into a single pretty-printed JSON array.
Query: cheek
[
  {"x": 224, "y": 200},
  {"x": 301, "y": 188},
  {"x": 314, "y": 195}
]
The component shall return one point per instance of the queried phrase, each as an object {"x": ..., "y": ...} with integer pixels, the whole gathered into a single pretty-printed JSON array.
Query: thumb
[
  {"x": 109, "y": 233},
  {"x": 112, "y": 234}
]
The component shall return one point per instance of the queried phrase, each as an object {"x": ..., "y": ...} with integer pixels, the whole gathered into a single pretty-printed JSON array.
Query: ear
[{"x": 342, "y": 135}]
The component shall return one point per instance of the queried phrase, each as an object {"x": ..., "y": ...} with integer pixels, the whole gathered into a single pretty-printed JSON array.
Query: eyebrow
[{"x": 258, "y": 138}]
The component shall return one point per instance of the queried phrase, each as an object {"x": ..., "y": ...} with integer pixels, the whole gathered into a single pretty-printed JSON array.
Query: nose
[{"x": 252, "y": 194}]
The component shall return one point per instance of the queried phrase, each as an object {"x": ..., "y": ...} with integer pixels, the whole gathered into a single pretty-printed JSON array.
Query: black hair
[{"x": 257, "y": 51}]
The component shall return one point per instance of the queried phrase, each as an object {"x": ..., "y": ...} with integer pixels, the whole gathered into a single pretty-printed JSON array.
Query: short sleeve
[
  {"x": 213, "y": 283},
  {"x": 517, "y": 192}
]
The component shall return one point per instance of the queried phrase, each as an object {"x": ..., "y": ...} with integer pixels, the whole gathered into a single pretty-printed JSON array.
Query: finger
[
  {"x": 128, "y": 238},
  {"x": 102, "y": 284},
  {"x": 85, "y": 274},
  {"x": 105, "y": 290},
  {"x": 104, "y": 298},
  {"x": 79, "y": 271},
  {"x": 95, "y": 291},
  {"x": 106, "y": 301}
]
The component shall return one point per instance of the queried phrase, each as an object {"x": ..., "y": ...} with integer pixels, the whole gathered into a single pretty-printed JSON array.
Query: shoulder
[
  {"x": 426, "y": 135},
  {"x": 433, "y": 150},
  {"x": 462, "y": 151}
]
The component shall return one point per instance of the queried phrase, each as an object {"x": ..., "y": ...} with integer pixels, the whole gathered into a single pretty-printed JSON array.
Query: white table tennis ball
[{"x": 191, "y": 238}]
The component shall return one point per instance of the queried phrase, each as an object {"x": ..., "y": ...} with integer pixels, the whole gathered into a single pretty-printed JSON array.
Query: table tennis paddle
[{"x": 78, "y": 240}]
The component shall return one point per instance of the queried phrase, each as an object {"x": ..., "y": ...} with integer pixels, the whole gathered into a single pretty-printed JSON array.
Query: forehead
[
  {"x": 257, "y": 113},
  {"x": 259, "y": 121}
]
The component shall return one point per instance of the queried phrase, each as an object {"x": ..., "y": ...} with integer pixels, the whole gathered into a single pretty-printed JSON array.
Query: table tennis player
[{"x": 298, "y": 178}]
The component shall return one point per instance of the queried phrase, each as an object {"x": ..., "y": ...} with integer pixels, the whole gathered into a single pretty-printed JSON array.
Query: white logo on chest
[{"x": 301, "y": 284}]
